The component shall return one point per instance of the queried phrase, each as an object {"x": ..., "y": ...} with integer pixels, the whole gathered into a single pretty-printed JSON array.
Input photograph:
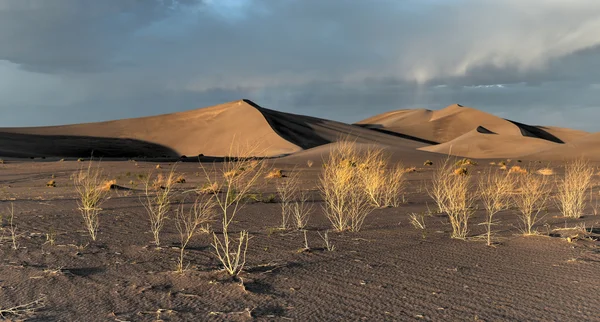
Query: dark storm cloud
[{"x": 84, "y": 60}]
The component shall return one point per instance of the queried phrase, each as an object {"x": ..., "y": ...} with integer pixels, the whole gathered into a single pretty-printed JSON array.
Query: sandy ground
[{"x": 388, "y": 271}]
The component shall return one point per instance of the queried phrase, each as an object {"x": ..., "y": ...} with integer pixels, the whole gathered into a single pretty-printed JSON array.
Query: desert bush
[
  {"x": 232, "y": 183},
  {"x": 572, "y": 194},
  {"x": 188, "y": 222},
  {"x": 329, "y": 246},
  {"x": 533, "y": 191},
  {"x": 495, "y": 190},
  {"x": 301, "y": 209},
  {"x": 342, "y": 186},
  {"x": 452, "y": 194},
  {"x": 517, "y": 169},
  {"x": 417, "y": 220},
  {"x": 275, "y": 173},
  {"x": 157, "y": 200},
  {"x": 464, "y": 162},
  {"x": 51, "y": 184},
  {"x": 428, "y": 163},
  {"x": 545, "y": 171},
  {"x": 180, "y": 179},
  {"x": 382, "y": 184},
  {"x": 89, "y": 186}
]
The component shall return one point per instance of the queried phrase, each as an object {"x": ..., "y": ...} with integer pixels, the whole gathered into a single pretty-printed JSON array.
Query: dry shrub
[
  {"x": 301, "y": 209},
  {"x": 452, "y": 194},
  {"x": 180, "y": 179},
  {"x": 383, "y": 185},
  {"x": 231, "y": 183},
  {"x": 209, "y": 188},
  {"x": 89, "y": 186},
  {"x": 428, "y": 163},
  {"x": 495, "y": 190},
  {"x": 51, "y": 184},
  {"x": 190, "y": 221},
  {"x": 461, "y": 171},
  {"x": 572, "y": 194},
  {"x": 545, "y": 172},
  {"x": 410, "y": 169},
  {"x": 157, "y": 200},
  {"x": 342, "y": 186},
  {"x": 517, "y": 170},
  {"x": 533, "y": 191},
  {"x": 275, "y": 173},
  {"x": 108, "y": 184},
  {"x": 464, "y": 162}
]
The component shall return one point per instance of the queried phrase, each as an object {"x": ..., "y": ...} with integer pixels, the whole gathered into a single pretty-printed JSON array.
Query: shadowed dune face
[{"x": 33, "y": 145}]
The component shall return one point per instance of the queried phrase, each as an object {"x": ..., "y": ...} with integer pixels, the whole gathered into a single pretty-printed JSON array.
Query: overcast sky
[{"x": 71, "y": 61}]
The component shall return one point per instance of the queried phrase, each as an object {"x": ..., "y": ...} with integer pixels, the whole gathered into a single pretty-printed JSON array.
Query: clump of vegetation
[
  {"x": 51, "y": 184},
  {"x": 428, "y": 163},
  {"x": 180, "y": 179},
  {"x": 454, "y": 197},
  {"x": 12, "y": 228},
  {"x": 382, "y": 185},
  {"x": 545, "y": 171},
  {"x": 89, "y": 185},
  {"x": 342, "y": 186},
  {"x": 517, "y": 169},
  {"x": 495, "y": 190},
  {"x": 275, "y": 173},
  {"x": 189, "y": 221},
  {"x": 109, "y": 184},
  {"x": 157, "y": 200},
  {"x": 464, "y": 162},
  {"x": 461, "y": 171},
  {"x": 295, "y": 206},
  {"x": 231, "y": 251},
  {"x": 572, "y": 194},
  {"x": 531, "y": 199}
]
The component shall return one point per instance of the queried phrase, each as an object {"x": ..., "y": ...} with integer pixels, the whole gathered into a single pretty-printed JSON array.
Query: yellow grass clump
[
  {"x": 108, "y": 184},
  {"x": 275, "y": 173},
  {"x": 51, "y": 184},
  {"x": 157, "y": 200},
  {"x": 545, "y": 171},
  {"x": 517, "y": 169}
]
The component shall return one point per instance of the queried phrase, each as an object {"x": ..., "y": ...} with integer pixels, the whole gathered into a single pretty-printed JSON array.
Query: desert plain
[{"x": 377, "y": 239}]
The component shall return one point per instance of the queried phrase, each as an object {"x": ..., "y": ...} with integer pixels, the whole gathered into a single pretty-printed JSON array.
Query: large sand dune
[
  {"x": 468, "y": 132},
  {"x": 209, "y": 131},
  {"x": 587, "y": 147}
]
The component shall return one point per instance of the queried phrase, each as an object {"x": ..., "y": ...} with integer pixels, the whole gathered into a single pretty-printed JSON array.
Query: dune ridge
[{"x": 208, "y": 131}]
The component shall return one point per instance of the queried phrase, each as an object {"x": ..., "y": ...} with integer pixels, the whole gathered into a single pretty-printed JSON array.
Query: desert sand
[{"x": 390, "y": 270}]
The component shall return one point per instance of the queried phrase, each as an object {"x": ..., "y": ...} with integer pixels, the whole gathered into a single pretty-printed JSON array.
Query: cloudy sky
[{"x": 71, "y": 61}]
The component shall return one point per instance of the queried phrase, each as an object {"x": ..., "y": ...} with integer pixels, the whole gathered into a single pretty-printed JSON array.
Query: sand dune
[
  {"x": 209, "y": 131},
  {"x": 468, "y": 132},
  {"x": 587, "y": 147},
  {"x": 482, "y": 145}
]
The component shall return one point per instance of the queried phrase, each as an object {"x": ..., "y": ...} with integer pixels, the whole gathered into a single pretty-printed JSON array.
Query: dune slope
[{"x": 209, "y": 131}]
